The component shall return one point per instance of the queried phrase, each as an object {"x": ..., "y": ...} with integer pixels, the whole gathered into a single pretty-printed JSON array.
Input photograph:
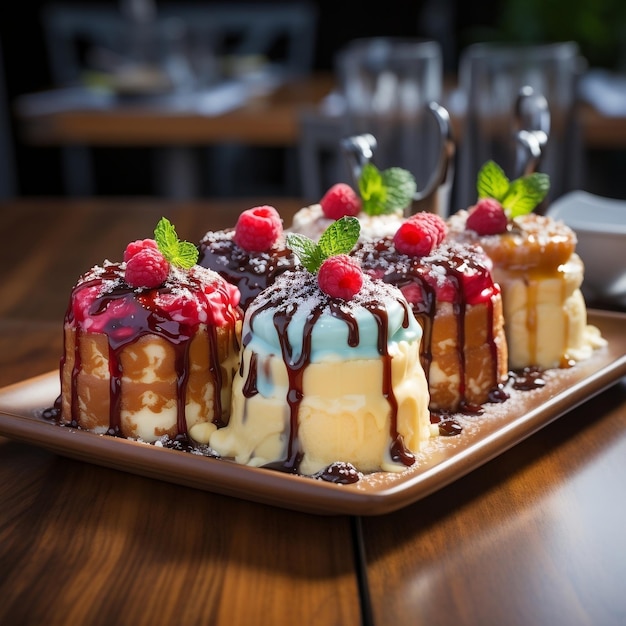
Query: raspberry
[
  {"x": 436, "y": 224},
  {"x": 420, "y": 234},
  {"x": 487, "y": 217},
  {"x": 340, "y": 200},
  {"x": 340, "y": 276},
  {"x": 258, "y": 229},
  {"x": 135, "y": 246},
  {"x": 147, "y": 268}
]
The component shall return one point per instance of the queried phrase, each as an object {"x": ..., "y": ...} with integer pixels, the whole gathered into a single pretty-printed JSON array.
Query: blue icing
[{"x": 330, "y": 333}]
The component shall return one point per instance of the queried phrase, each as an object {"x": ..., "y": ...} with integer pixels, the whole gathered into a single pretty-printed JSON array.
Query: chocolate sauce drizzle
[
  {"x": 282, "y": 318},
  {"x": 339, "y": 473},
  {"x": 142, "y": 315},
  {"x": 250, "y": 272}
]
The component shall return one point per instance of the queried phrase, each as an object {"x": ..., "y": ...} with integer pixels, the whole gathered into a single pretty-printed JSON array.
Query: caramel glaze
[
  {"x": 422, "y": 279},
  {"x": 533, "y": 248},
  {"x": 142, "y": 318},
  {"x": 250, "y": 272},
  {"x": 338, "y": 472}
]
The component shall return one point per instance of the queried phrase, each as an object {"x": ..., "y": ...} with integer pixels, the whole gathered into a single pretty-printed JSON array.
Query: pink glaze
[{"x": 102, "y": 302}]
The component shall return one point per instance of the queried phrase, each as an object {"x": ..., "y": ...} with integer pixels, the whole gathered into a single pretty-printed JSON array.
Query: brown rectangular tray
[{"x": 445, "y": 460}]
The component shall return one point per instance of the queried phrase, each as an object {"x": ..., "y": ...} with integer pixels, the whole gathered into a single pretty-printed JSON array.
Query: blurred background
[{"x": 598, "y": 26}]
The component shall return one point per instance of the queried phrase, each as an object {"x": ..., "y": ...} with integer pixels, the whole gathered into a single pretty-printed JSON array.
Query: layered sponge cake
[
  {"x": 535, "y": 263},
  {"x": 330, "y": 371},
  {"x": 457, "y": 303},
  {"x": 151, "y": 345}
]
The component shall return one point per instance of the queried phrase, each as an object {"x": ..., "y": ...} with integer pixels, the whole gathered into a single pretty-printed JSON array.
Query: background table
[
  {"x": 535, "y": 536},
  {"x": 269, "y": 120}
]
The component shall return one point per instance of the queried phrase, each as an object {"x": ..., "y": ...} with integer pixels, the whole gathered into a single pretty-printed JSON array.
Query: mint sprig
[
  {"x": 517, "y": 197},
  {"x": 183, "y": 254},
  {"x": 338, "y": 238},
  {"x": 385, "y": 191}
]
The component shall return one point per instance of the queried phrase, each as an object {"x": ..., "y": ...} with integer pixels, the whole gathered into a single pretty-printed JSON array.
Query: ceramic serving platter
[{"x": 446, "y": 459}]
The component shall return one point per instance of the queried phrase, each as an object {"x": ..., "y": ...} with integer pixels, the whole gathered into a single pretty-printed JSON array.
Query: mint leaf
[
  {"x": 340, "y": 236},
  {"x": 386, "y": 191},
  {"x": 525, "y": 194},
  {"x": 492, "y": 182},
  {"x": 372, "y": 190},
  {"x": 166, "y": 237},
  {"x": 180, "y": 253},
  {"x": 401, "y": 188},
  {"x": 187, "y": 255},
  {"x": 518, "y": 197},
  {"x": 306, "y": 250}
]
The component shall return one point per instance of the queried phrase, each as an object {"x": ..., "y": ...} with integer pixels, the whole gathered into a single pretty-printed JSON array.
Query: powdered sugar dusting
[{"x": 301, "y": 287}]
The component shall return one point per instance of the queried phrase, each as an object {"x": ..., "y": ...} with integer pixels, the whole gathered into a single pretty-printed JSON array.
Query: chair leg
[{"x": 176, "y": 172}]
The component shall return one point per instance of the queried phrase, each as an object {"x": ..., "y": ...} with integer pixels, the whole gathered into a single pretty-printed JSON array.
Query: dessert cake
[
  {"x": 151, "y": 344},
  {"x": 330, "y": 381},
  {"x": 456, "y": 302},
  {"x": 536, "y": 265},
  {"x": 379, "y": 204},
  {"x": 251, "y": 254}
]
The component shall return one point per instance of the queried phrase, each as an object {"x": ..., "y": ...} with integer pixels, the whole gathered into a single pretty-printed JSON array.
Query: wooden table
[
  {"x": 535, "y": 536},
  {"x": 269, "y": 119}
]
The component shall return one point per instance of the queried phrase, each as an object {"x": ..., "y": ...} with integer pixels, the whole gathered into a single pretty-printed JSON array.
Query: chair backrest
[
  {"x": 387, "y": 84},
  {"x": 321, "y": 161},
  {"x": 8, "y": 174},
  {"x": 385, "y": 87},
  {"x": 491, "y": 77},
  {"x": 382, "y": 76},
  {"x": 329, "y": 152},
  {"x": 71, "y": 31},
  {"x": 283, "y": 33}
]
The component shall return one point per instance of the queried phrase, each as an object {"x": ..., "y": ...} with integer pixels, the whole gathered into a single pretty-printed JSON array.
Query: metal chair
[
  {"x": 388, "y": 88},
  {"x": 329, "y": 153},
  {"x": 491, "y": 78}
]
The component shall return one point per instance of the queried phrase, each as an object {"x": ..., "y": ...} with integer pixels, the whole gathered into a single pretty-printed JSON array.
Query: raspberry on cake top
[
  {"x": 330, "y": 376},
  {"x": 252, "y": 254},
  {"x": 380, "y": 203}
]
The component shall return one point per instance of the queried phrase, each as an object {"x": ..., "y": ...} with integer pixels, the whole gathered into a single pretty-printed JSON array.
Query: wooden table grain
[{"x": 534, "y": 537}]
